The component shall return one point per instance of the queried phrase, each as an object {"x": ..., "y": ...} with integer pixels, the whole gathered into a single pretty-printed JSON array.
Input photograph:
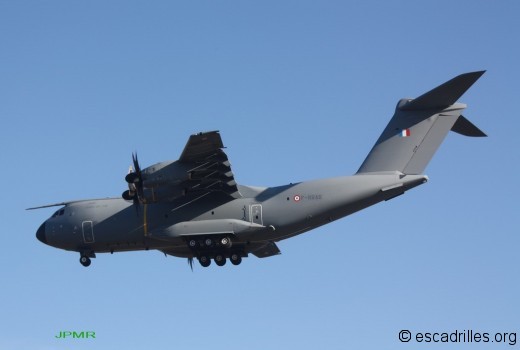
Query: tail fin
[{"x": 419, "y": 126}]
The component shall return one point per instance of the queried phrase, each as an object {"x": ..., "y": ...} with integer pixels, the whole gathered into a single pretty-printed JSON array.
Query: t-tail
[{"x": 419, "y": 126}]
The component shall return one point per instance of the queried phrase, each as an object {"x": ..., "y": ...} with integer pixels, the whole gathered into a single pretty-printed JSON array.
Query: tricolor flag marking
[{"x": 405, "y": 132}]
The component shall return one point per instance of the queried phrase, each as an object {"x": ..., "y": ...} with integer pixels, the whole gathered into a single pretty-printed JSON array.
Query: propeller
[
  {"x": 134, "y": 178},
  {"x": 190, "y": 262}
]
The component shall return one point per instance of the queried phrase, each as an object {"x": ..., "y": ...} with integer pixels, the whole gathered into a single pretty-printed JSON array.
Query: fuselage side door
[
  {"x": 88, "y": 232},
  {"x": 255, "y": 213}
]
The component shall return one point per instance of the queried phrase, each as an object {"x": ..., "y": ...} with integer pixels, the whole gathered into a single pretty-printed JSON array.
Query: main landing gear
[
  {"x": 214, "y": 248},
  {"x": 220, "y": 259},
  {"x": 204, "y": 260},
  {"x": 235, "y": 258}
]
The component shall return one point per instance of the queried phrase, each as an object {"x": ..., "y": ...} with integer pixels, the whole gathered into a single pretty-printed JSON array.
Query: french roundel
[{"x": 297, "y": 198}]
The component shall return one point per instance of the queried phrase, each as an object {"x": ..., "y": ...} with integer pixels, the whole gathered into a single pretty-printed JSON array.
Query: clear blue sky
[{"x": 299, "y": 90}]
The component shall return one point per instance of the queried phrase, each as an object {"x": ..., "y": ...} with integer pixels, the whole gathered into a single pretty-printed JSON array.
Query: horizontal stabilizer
[
  {"x": 444, "y": 95},
  {"x": 465, "y": 127}
]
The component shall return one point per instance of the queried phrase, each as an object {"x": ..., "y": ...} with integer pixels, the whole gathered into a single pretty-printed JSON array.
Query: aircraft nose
[{"x": 40, "y": 234}]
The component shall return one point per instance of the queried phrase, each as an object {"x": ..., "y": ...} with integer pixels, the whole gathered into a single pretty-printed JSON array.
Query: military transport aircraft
[{"x": 194, "y": 208}]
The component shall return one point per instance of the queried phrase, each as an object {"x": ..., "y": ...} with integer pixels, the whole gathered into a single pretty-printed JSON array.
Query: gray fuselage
[{"x": 273, "y": 214}]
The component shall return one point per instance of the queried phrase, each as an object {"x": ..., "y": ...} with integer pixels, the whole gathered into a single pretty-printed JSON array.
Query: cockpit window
[{"x": 58, "y": 213}]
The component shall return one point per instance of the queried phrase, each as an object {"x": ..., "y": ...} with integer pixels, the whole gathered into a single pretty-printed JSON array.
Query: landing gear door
[
  {"x": 88, "y": 232},
  {"x": 255, "y": 211}
]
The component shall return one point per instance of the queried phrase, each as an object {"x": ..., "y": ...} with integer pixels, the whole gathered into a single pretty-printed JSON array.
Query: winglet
[{"x": 444, "y": 95}]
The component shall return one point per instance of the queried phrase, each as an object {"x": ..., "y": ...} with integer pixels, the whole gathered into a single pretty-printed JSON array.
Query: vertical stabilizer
[{"x": 419, "y": 126}]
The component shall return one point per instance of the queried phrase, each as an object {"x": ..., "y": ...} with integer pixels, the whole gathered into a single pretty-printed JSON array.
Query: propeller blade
[
  {"x": 135, "y": 183},
  {"x": 137, "y": 179},
  {"x": 136, "y": 205},
  {"x": 190, "y": 262},
  {"x": 136, "y": 163}
]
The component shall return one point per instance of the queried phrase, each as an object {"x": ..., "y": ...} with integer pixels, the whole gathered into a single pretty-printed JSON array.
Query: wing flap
[{"x": 211, "y": 167}]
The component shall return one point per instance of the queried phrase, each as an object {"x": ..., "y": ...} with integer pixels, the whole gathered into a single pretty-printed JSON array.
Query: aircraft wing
[
  {"x": 210, "y": 169},
  {"x": 202, "y": 168}
]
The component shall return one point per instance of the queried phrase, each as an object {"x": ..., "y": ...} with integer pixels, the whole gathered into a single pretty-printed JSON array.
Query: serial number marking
[
  {"x": 310, "y": 197},
  {"x": 313, "y": 197}
]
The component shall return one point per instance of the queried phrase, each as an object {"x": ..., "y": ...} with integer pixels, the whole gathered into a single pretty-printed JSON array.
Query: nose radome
[{"x": 40, "y": 234}]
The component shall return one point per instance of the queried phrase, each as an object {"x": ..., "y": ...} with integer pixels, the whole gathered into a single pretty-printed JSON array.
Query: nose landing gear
[{"x": 84, "y": 258}]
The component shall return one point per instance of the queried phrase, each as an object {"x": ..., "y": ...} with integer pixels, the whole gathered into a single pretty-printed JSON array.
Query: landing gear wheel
[
  {"x": 192, "y": 243},
  {"x": 85, "y": 261},
  {"x": 220, "y": 260},
  {"x": 235, "y": 258},
  {"x": 204, "y": 260},
  {"x": 226, "y": 242},
  {"x": 208, "y": 242}
]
